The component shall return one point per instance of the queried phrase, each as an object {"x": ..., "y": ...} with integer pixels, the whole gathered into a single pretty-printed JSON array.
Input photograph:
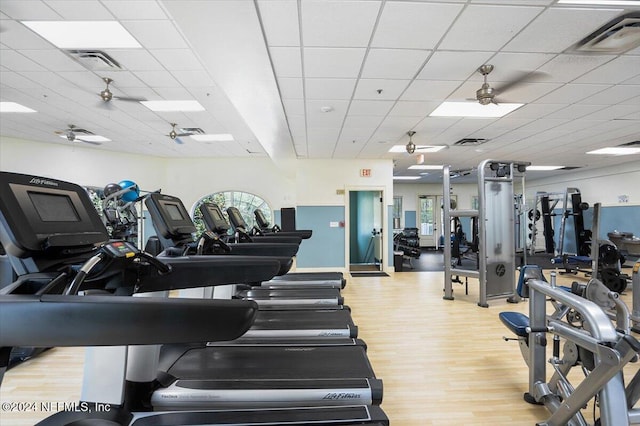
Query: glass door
[{"x": 427, "y": 218}]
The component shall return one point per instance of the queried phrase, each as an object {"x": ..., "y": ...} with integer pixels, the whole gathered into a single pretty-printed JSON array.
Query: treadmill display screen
[
  {"x": 54, "y": 207},
  {"x": 216, "y": 215},
  {"x": 174, "y": 211}
]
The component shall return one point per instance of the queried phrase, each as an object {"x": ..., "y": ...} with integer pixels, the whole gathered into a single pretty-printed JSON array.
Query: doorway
[
  {"x": 430, "y": 216},
  {"x": 366, "y": 238}
]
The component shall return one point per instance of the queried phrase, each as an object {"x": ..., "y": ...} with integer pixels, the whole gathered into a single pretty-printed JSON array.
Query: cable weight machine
[{"x": 496, "y": 229}]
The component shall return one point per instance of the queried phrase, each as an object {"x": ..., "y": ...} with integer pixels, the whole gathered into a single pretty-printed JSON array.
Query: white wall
[
  {"x": 77, "y": 164},
  {"x": 410, "y": 192},
  {"x": 603, "y": 185},
  {"x": 318, "y": 180},
  {"x": 314, "y": 182}
]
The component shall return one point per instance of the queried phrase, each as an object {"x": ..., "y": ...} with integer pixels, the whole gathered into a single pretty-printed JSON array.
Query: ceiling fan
[
  {"x": 176, "y": 135},
  {"x": 487, "y": 95},
  {"x": 73, "y": 133},
  {"x": 106, "y": 95},
  {"x": 412, "y": 147}
]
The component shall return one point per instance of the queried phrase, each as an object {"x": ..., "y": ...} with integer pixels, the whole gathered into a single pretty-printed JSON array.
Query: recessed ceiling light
[
  {"x": 543, "y": 168},
  {"x": 421, "y": 148},
  {"x": 602, "y": 2},
  {"x": 613, "y": 150},
  {"x": 221, "y": 137},
  {"x": 425, "y": 167},
  {"x": 14, "y": 107},
  {"x": 84, "y": 34},
  {"x": 88, "y": 138},
  {"x": 185, "y": 106},
  {"x": 406, "y": 177},
  {"x": 473, "y": 109}
]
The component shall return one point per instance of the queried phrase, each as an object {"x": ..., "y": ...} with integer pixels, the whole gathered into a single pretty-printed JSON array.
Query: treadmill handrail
[{"x": 71, "y": 320}]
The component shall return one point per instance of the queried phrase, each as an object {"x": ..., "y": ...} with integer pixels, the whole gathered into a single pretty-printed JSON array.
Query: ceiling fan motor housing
[{"x": 485, "y": 94}]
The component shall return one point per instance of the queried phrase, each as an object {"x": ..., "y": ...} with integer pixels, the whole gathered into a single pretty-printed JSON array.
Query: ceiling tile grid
[{"x": 378, "y": 67}]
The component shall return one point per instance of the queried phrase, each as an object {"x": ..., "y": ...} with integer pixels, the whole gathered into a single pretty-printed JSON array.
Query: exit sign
[{"x": 365, "y": 172}]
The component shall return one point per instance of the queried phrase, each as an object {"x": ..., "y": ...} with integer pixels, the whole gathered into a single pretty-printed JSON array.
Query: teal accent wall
[
  {"x": 410, "y": 219},
  {"x": 326, "y": 247},
  {"x": 618, "y": 218}
]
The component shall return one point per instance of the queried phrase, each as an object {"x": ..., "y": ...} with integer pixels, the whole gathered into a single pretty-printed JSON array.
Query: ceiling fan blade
[
  {"x": 179, "y": 141},
  {"x": 129, "y": 98},
  {"x": 523, "y": 77},
  {"x": 184, "y": 134}
]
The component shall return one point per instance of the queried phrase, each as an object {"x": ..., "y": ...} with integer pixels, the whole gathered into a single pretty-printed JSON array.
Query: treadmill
[
  {"x": 324, "y": 279},
  {"x": 318, "y": 321},
  {"x": 194, "y": 376},
  {"x": 175, "y": 230},
  {"x": 50, "y": 223}
]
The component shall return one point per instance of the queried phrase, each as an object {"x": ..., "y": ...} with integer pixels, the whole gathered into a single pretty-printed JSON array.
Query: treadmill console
[
  {"x": 236, "y": 218},
  {"x": 213, "y": 218},
  {"x": 170, "y": 217},
  {"x": 40, "y": 215}
]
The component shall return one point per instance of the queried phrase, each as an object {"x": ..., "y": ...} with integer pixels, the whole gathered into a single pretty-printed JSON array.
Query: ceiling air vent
[
  {"x": 95, "y": 60},
  {"x": 470, "y": 142},
  {"x": 617, "y": 36}
]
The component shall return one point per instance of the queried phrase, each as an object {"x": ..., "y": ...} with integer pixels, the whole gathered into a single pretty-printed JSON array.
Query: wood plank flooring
[{"x": 442, "y": 362}]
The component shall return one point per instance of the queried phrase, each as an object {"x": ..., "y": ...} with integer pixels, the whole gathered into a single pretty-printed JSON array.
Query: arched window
[{"x": 246, "y": 202}]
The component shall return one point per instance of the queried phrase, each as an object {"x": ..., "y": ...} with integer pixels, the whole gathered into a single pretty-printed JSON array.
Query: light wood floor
[{"x": 442, "y": 362}]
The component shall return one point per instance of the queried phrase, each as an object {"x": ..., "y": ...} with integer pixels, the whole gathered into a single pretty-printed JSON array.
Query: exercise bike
[{"x": 593, "y": 323}]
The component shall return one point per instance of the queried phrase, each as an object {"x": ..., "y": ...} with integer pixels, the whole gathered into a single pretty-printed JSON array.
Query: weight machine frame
[{"x": 496, "y": 223}]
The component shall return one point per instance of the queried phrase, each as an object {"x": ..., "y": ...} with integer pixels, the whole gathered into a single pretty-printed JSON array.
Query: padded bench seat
[{"x": 516, "y": 322}]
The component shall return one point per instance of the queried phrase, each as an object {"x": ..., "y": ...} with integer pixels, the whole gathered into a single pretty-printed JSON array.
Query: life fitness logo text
[
  {"x": 343, "y": 395},
  {"x": 38, "y": 181}
]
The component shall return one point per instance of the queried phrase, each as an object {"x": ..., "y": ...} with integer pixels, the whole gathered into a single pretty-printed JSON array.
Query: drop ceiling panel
[
  {"x": 139, "y": 9},
  {"x": 571, "y": 93},
  {"x": 156, "y": 34},
  {"x": 616, "y": 71},
  {"x": 556, "y": 29},
  {"x": 423, "y": 90},
  {"x": 286, "y": 61},
  {"x": 393, "y": 63},
  {"x": 322, "y": 137},
  {"x": 362, "y": 122},
  {"x": 170, "y": 93},
  {"x": 370, "y": 108},
  {"x": 329, "y": 88},
  {"x": 575, "y": 111},
  {"x": 135, "y": 59},
  {"x": 614, "y": 112},
  {"x": 535, "y": 110},
  {"x": 177, "y": 59},
  {"x": 199, "y": 78},
  {"x": 17, "y": 62},
  {"x": 566, "y": 68},
  {"x": 413, "y": 25},
  {"x": 155, "y": 79},
  {"x": 509, "y": 65},
  {"x": 360, "y": 136},
  {"x": 18, "y": 36},
  {"x": 35, "y": 10},
  {"x": 444, "y": 65},
  {"x": 86, "y": 10},
  {"x": 614, "y": 95},
  {"x": 55, "y": 60},
  {"x": 413, "y": 108},
  {"x": 280, "y": 22},
  {"x": 332, "y": 62},
  {"x": 294, "y": 106},
  {"x": 333, "y": 119},
  {"x": 338, "y": 23},
  {"x": 487, "y": 27},
  {"x": 291, "y": 88},
  {"x": 390, "y": 89}
]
